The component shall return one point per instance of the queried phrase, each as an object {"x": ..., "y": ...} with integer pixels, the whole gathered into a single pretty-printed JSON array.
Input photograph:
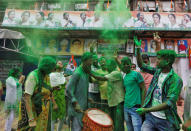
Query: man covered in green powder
[
  {"x": 115, "y": 93},
  {"x": 162, "y": 95},
  {"x": 35, "y": 106},
  {"x": 59, "y": 97},
  {"x": 77, "y": 92},
  {"x": 93, "y": 91},
  {"x": 134, "y": 95},
  {"x": 103, "y": 85}
]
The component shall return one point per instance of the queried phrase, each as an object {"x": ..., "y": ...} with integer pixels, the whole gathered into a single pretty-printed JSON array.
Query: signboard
[
  {"x": 80, "y": 6},
  {"x": 106, "y": 47},
  {"x": 91, "y": 19}
]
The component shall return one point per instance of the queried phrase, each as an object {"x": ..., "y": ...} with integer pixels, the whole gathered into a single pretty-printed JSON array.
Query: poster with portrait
[
  {"x": 130, "y": 46},
  {"x": 144, "y": 45},
  {"x": 91, "y": 19},
  {"x": 153, "y": 46},
  {"x": 77, "y": 46},
  {"x": 63, "y": 47},
  {"x": 50, "y": 46},
  {"x": 169, "y": 44},
  {"x": 90, "y": 43},
  {"x": 182, "y": 46}
]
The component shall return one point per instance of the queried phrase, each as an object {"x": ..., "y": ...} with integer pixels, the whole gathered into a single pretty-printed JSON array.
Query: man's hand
[
  {"x": 77, "y": 108},
  {"x": 189, "y": 128},
  {"x": 142, "y": 111},
  {"x": 55, "y": 106},
  {"x": 32, "y": 123},
  {"x": 156, "y": 37},
  {"x": 21, "y": 79},
  {"x": 91, "y": 100},
  {"x": 137, "y": 42}
]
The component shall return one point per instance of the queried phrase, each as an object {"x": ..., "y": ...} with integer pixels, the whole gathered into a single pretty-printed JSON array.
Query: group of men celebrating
[
  {"x": 116, "y": 89},
  {"x": 125, "y": 92}
]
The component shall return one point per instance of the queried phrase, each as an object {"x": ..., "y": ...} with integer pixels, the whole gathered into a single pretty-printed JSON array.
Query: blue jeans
[
  {"x": 153, "y": 123},
  {"x": 132, "y": 119},
  {"x": 76, "y": 124}
]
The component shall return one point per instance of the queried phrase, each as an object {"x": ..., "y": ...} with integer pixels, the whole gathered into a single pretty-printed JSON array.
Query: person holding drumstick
[
  {"x": 115, "y": 93},
  {"x": 77, "y": 92}
]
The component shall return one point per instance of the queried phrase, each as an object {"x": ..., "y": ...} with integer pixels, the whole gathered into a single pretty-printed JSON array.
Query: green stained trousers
[{"x": 117, "y": 115}]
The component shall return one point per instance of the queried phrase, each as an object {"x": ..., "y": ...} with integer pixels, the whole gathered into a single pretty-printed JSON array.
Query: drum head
[{"x": 99, "y": 117}]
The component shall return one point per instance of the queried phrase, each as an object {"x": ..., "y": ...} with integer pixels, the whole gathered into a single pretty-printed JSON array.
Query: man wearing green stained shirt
[
  {"x": 134, "y": 95},
  {"x": 103, "y": 85},
  {"x": 115, "y": 93},
  {"x": 162, "y": 95},
  {"x": 77, "y": 92}
]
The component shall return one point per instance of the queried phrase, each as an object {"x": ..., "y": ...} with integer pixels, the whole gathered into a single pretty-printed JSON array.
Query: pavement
[{"x": 180, "y": 110}]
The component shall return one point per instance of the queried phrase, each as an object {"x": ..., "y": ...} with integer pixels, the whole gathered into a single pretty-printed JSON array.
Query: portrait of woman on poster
[
  {"x": 157, "y": 20},
  {"x": 10, "y": 18},
  {"x": 153, "y": 46},
  {"x": 186, "y": 21},
  {"x": 25, "y": 18},
  {"x": 172, "y": 21},
  {"x": 169, "y": 44}
]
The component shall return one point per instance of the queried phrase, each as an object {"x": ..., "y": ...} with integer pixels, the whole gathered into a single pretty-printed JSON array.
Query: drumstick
[{"x": 98, "y": 103}]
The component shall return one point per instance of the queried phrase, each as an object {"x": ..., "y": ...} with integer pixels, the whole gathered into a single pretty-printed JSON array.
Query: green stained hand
[
  {"x": 137, "y": 42},
  {"x": 141, "y": 111},
  {"x": 189, "y": 128}
]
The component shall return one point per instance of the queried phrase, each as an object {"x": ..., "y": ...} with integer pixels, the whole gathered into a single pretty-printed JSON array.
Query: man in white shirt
[{"x": 66, "y": 22}]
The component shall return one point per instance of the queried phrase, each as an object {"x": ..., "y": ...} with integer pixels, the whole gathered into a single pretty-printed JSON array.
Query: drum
[{"x": 97, "y": 120}]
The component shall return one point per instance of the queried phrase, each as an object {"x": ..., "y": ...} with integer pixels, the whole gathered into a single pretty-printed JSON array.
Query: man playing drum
[{"x": 77, "y": 92}]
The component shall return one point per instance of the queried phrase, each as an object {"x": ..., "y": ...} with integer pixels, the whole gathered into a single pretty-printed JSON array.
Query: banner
[
  {"x": 180, "y": 46},
  {"x": 91, "y": 19},
  {"x": 62, "y": 47}
]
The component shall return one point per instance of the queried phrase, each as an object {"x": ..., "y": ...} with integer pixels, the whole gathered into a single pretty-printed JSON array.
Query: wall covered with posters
[
  {"x": 89, "y": 19},
  {"x": 65, "y": 46},
  {"x": 180, "y": 46},
  {"x": 77, "y": 46}
]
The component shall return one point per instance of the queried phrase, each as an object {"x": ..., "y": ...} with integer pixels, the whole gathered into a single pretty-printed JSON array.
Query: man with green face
[
  {"x": 93, "y": 90},
  {"x": 77, "y": 92},
  {"x": 115, "y": 93},
  {"x": 103, "y": 85},
  {"x": 160, "y": 103},
  {"x": 134, "y": 95}
]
